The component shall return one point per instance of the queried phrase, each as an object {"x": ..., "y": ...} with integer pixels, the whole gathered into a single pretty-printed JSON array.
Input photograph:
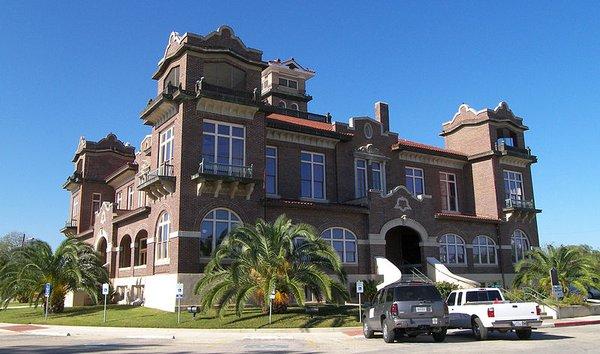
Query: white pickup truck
[{"x": 484, "y": 310}]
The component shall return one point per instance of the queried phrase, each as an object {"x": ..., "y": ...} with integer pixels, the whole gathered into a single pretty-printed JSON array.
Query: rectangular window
[
  {"x": 223, "y": 148},
  {"x": 288, "y": 83},
  {"x": 513, "y": 185},
  {"x": 141, "y": 199},
  {"x": 225, "y": 75},
  {"x": 75, "y": 207},
  {"x": 271, "y": 170},
  {"x": 449, "y": 192},
  {"x": 130, "y": 197},
  {"x": 118, "y": 198},
  {"x": 360, "y": 178},
  {"x": 312, "y": 175},
  {"x": 172, "y": 78},
  {"x": 165, "y": 153},
  {"x": 96, "y": 203},
  {"x": 415, "y": 180},
  {"x": 378, "y": 176}
]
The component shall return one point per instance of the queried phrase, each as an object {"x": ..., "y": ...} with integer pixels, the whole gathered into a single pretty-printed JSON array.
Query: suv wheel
[
  {"x": 367, "y": 331},
  {"x": 439, "y": 335},
  {"x": 388, "y": 334},
  {"x": 479, "y": 331},
  {"x": 523, "y": 333}
]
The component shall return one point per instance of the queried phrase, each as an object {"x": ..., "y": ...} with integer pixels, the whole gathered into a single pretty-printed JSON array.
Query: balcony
[
  {"x": 73, "y": 181},
  {"x": 157, "y": 183},
  {"x": 510, "y": 152},
  {"x": 70, "y": 228},
  {"x": 226, "y": 101},
  {"x": 520, "y": 209},
  {"x": 223, "y": 179},
  {"x": 299, "y": 114}
]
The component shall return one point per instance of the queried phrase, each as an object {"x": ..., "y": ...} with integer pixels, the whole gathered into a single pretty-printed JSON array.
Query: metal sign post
[
  {"x": 47, "y": 288},
  {"x": 179, "y": 295},
  {"x": 359, "y": 290},
  {"x": 271, "y": 298},
  {"x": 105, "y": 293}
]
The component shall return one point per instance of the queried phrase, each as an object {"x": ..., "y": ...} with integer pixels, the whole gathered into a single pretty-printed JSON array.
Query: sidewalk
[{"x": 215, "y": 334}]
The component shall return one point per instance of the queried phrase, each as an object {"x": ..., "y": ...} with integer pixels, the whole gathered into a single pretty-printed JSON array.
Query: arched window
[
  {"x": 162, "y": 236},
  {"x": 101, "y": 249},
  {"x": 452, "y": 249},
  {"x": 282, "y": 104},
  {"x": 484, "y": 250},
  {"x": 294, "y": 106},
  {"x": 125, "y": 252},
  {"x": 215, "y": 226},
  {"x": 343, "y": 241},
  {"x": 141, "y": 248},
  {"x": 520, "y": 245}
]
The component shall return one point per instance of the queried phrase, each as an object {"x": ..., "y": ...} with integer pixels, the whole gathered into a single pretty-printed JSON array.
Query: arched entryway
[{"x": 402, "y": 247}]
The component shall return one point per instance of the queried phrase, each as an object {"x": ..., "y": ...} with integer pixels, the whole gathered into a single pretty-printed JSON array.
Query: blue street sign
[{"x": 47, "y": 290}]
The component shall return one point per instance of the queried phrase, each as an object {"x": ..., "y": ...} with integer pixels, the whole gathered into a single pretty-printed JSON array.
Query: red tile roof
[
  {"x": 467, "y": 217},
  {"x": 414, "y": 144},
  {"x": 303, "y": 122}
]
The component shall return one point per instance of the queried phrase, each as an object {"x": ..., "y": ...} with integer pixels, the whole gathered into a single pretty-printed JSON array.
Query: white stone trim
[
  {"x": 506, "y": 247},
  {"x": 431, "y": 159},
  {"x": 143, "y": 266},
  {"x": 191, "y": 234},
  {"x": 515, "y": 161},
  {"x": 162, "y": 261},
  {"x": 300, "y": 138},
  {"x": 149, "y": 240}
]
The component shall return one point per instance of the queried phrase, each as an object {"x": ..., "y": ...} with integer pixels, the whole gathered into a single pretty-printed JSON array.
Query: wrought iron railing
[
  {"x": 519, "y": 203},
  {"x": 213, "y": 168},
  {"x": 71, "y": 223},
  {"x": 300, "y": 114},
  {"x": 164, "y": 170},
  {"x": 504, "y": 147}
]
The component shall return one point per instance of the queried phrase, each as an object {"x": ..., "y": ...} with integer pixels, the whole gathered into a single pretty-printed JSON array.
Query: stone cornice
[
  {"x": 300, "y": 138},
  {"x": 431, "y": 159}
]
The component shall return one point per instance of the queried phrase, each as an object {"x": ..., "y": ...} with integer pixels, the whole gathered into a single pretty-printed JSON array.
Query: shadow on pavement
[{"x": 80, "y": 348}]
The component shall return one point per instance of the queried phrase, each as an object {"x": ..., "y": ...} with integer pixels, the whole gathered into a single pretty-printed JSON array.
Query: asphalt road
[{"x": 550, "y": 340}]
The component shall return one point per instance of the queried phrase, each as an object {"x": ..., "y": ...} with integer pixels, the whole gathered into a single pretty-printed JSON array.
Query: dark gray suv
[{"x": 406, "y": 309}]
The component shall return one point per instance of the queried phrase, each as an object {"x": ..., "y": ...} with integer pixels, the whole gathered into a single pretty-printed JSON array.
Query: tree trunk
[{"x": 57, "y": 300}]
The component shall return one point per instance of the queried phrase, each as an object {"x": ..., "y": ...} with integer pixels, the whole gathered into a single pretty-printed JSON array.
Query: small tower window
[
  {"x": 294, "y": 106},
  {"x": 281, "y": 104}
]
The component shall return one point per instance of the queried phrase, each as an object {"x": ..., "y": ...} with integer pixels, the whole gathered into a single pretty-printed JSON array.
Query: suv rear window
[
  {"x": 415, "y": 293},
  {"x": 483, "y": 295}
]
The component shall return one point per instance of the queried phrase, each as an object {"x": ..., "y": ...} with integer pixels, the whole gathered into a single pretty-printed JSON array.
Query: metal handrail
[
  {"x": 71, "y": 223},
  {"x": 214, "y": 168},
  {"x": 519, "y": 203},
  {"x": 164, "y": 170},
  {"x": 503, "y": 146}
]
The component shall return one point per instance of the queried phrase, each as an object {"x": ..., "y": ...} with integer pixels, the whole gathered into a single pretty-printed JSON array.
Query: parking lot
[{"x": 549, "y": 340}]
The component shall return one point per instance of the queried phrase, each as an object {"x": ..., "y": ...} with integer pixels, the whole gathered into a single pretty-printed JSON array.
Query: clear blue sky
[{"x": 68, "y": 70}]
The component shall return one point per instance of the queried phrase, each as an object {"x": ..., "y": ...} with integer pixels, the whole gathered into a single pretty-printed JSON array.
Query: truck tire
[
  {"x": 523, "y": 333},
  {"x": 389, "y": 335},
  {"x": 367, "y": 331},
  {"x": 479, "y": 330},
  {"x": 439, "y": 335}
]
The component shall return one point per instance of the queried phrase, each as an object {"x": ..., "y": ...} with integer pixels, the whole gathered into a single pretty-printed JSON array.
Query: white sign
[
  {"x": 105, "y": 289},
  {"x": 47, "y": 290},
  {"x": 272, "y": 296},
  {"x": 179, "y": 290},
  {"x": 359, "y": 287}
]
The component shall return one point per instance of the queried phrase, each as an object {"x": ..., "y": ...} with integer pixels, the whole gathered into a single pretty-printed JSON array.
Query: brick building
[{"x": 231, "y": 140}]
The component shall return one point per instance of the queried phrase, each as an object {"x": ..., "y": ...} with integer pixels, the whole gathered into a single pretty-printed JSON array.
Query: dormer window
[
  {"x": 294, "y": 106},
  {"x": 281, "y": 104},
  {"x": 288, "y": 83},
  {"x": 225, "y": 75},
  {"x": 506, "y": 137}
]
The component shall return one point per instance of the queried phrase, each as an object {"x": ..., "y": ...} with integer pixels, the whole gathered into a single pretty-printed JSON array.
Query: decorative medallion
[
  {"x": 402, "y": 204},
  {"x": 368, "y": 130}
]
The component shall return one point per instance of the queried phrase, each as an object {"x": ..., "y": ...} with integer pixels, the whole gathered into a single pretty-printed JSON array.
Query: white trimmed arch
[
  {"x": 102, "y": 235},
  {"x": 413, "y": 224}
]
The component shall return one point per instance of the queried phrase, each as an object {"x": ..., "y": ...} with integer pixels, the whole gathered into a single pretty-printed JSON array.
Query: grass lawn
[{"x": 129, "y": 316}]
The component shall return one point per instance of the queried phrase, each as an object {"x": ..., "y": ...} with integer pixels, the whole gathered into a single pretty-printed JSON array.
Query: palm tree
[
  {"x": 73, "y": 266},
  {"x": 254, "y": 260},
  {"x": 575, "y": 267}
]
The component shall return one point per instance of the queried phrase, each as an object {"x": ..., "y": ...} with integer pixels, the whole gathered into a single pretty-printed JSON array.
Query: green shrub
[{"x": 445, "y": 288}]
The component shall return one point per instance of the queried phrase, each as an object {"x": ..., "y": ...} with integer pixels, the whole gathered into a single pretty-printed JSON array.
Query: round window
[{"x": 368, "y": 130}]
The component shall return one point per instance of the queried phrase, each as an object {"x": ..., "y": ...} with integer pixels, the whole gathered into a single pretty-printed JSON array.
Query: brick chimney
[{"x": 382, "y": 115}]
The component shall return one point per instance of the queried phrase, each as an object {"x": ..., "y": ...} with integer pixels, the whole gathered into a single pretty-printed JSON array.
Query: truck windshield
[
  {"x": 483, "y": 295},
  {"x": 415, "y": 293}
]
